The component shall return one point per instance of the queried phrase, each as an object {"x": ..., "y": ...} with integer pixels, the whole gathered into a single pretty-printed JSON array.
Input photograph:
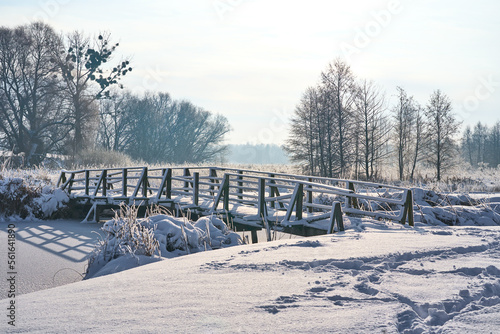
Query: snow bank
[
  {"x": 130, "y": 242},
  {"x": 27, "y": 198}
]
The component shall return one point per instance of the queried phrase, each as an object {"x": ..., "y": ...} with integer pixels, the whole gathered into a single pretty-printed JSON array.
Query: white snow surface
[{"x": 378, "y": 277}]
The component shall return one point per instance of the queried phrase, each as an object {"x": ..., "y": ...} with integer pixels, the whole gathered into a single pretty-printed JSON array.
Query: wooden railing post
[
  {"x": 212, "y": 176},
  {"x": 309, "y": 196},
  {"x": 271, "y": 188},
  {"x": 145, "y": 182},
  {"x": 70, "y": 182},
  {"x": 104, "y": 182},
  {"x": 240, "y": 184},
  {"x": 300, "y": 199},
  {"x": 261, "y": 205},
  {"x": 187, "y": 173},
  {"x": 408, "y": 209},
  {"x": 226, "y": 192},
  {"x": 124, "y": 182},
  {"x": 196, "y": 187},
  {"x": 87, "y": 181},
  {"x": 168, "y": 184},
  {"x": 62, "y": 179}
]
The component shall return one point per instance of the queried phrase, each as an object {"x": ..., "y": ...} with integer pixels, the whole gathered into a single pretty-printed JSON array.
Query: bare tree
[
  {"x": 372, "y": 127},
  {"x": 338, "y": 91},
  {"x": 115, "y": 132},
  {"x": 33, "y": 114},
  {"x": 85, "y": 69},
  {"x": 442, "y": 127},
  {"x": 408, "y": 137},
  {"x": 305, "y": 144}
]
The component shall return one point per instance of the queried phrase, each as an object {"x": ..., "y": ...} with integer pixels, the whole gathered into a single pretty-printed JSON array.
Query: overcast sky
[{"x": 251, "y": 60}]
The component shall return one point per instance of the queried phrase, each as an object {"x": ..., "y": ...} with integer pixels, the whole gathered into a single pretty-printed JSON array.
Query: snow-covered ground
[
  {"x": 377, "y": 277},
  {"x": 48, "y": 253}
]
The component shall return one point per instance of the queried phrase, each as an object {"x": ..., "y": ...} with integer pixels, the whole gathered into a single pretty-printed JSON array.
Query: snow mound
[{"x": 130, "y": 242}]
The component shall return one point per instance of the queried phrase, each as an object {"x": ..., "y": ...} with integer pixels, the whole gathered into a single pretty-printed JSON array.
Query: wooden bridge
[{"x": 250, "y": 200}]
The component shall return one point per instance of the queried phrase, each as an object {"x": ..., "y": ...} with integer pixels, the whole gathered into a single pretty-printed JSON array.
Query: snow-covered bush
[
  {"x": 18, "y": 199},
  {"x": 28, "y": 197},
  {"x": 129, "y": 239}
]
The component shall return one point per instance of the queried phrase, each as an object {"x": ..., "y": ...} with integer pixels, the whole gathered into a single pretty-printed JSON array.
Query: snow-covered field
[{"x": 376, "y": 278}]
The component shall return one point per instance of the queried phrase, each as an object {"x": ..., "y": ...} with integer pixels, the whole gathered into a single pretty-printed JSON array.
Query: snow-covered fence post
[
  {"x": 408, "y": 209},
  {"x": 196, "y": 187},
  {"x": 336, "y": 217}
]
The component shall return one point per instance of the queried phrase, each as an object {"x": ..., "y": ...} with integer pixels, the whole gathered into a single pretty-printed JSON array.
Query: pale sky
[{"x": 251, "y": 60}]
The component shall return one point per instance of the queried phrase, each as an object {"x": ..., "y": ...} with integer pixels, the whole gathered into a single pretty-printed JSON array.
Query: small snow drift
[{"x": 130, "y": 242}]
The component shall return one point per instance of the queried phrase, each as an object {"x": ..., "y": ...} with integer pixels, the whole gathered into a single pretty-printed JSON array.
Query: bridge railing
[{"x": 307, "y": 198}]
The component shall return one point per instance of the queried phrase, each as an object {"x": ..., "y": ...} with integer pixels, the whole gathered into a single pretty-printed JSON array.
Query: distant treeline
[{"x": 481, "y": 145}]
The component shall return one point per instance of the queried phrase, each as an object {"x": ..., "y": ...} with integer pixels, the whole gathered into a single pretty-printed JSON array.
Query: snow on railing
[{"x": 304, "y": 198}]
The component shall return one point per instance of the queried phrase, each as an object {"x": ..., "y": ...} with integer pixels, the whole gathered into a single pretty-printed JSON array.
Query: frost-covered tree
[
  {"x": 408, "y": 135},
  {"x": 372, "y": 128},
  {"x": 441, "y": 129},
  {"x": 322, "y": 133},
  {"x": 339, "y": 89}
]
